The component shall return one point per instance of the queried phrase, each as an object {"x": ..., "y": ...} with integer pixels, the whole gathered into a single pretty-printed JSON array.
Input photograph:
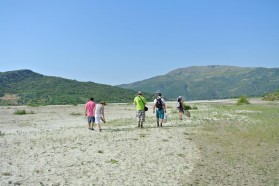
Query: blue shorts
[
  {"x": 160, "y": 113},
  {"x": 91, "y": 119}
]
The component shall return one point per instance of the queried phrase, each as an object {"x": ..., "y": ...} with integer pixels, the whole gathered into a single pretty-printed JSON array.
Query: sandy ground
[{"x": 54, "y": 147}]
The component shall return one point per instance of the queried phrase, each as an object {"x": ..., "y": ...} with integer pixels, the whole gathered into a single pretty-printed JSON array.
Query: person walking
[
  {"x": 140, "y": 103},
  {"x": 99, "y": 111},
  {"x": 160, "y": 106},
  {"x": 179, "y": 106},
  {"x": 89, "y": 112}
]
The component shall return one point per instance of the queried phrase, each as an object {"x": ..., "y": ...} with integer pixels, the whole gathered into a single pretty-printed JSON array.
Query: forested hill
[
  {"x": 27, "y": 87},
  {"x": 211, "y": 82}
]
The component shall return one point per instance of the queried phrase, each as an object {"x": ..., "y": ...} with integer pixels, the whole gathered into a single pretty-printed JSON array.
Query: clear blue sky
[{"x": 123, "y": 41}]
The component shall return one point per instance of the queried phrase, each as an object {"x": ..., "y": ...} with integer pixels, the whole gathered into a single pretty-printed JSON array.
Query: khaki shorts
[{"x": 141, "y": 115}]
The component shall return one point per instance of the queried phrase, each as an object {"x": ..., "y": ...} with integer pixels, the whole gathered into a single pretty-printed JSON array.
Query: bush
[
  {"x": 2, "y": 133},
  {"x": 194, "y": 107},
  {"x": 20, "y": 112},
  {"x": 272, "y": 96},
  {"x": 187, "y": 107},
  {"x": 242, "y": 100}
]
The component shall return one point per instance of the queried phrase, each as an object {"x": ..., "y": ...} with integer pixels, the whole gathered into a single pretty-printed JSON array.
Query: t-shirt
[
  {"x": 140, "y": 102},
  {"x": 89, "y": 106},
  {"x": 99, "y": 109}
]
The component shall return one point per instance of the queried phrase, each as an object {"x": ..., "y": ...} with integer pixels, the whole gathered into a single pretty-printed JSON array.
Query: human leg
[
  {"x": 157, "y": 117},
  {"x": 141, "y": 118},
  {"x": 90, "y": 122},
  {"x": 180, "y": 115},
  {"x": 161, "y": 116}
]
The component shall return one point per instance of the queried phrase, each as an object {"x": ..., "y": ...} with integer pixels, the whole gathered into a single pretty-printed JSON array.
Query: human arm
[
  {"x": 164, "y": 105},
  {"x": 103, "y": 114},
  {"x": 154, "y": 106}
]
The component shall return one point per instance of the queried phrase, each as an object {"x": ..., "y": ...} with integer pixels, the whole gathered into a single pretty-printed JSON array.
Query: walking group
[
  {"x": 159, "y": 108},
  {"x": 96, "y": 115}
]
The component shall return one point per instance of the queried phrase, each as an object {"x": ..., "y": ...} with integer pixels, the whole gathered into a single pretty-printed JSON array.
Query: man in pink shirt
[{"x": 89, "y": 112}]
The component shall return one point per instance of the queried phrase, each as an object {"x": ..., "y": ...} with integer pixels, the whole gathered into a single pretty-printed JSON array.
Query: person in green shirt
[{"x": 140, "y": 102}]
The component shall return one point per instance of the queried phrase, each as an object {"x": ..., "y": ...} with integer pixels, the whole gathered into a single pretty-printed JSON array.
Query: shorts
[
  {"x": 141, "y": 115},
  {"x": 160, "y": 113},
  {"x": 98, "y": 118},
  {"x": 180, "y": 109},
  {"x": 91, "y": 119}
]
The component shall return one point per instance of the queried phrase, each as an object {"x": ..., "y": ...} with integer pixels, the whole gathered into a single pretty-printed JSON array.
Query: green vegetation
[
  {"x": 75, "y": 114},
  {"x": 2, "y": 133},
  {"x": 189, "y": 107},
  {"x": 243, "y": 100},
  {"x": 25, "y": 87},
  {"x": 112, "y": 161},
  {"x": 7, "y": 174},
  {"x": 23, "y": 112},
  {"x": 274, "y": 96},
  {"x": 248, "y": 139},
  {"x": 211, "y": 82}
]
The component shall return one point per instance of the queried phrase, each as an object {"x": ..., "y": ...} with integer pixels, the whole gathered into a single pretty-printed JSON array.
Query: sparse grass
[
  {"x": 23, "y": 112},
  {"x": 142, "y": 135},
  {"x": 129, "y": 121},
  {"x": 112, "y": 161},
  {"x": 75, "y": 114},
  {"x": 6, "y": 174},
  {"x": 20, "y": 112},
  {"x": 251, "y": 143},
  {"x": 122, "y": 122}
]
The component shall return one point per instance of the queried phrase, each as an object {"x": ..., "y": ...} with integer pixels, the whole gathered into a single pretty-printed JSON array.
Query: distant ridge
[
  {"x": 211, "y": 82},
  {"x": 23, "y": 87}
]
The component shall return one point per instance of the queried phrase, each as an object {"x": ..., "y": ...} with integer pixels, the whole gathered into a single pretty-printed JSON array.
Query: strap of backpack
[{"x": 141, "y": 100}]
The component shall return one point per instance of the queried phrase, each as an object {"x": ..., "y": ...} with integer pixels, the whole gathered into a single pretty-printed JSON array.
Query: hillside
[
  {"x": 27, "y": 87},
  {"x": 211, "y": 82}
]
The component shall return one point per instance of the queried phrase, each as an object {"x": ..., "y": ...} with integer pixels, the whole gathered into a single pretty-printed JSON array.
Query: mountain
[
  {"x": 23, "y": 87},
  {"x": 211, "y": 82}
]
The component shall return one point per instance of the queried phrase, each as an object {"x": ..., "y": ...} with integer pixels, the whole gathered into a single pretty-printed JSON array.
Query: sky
[{"x": 124, "y": 41}]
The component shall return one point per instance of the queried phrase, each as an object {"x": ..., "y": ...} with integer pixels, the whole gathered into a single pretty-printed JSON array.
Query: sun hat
[
  {"x": 103, "y": 103},
  {"x": 139, "y": 93},
  {"x": 179, "y": 98}
]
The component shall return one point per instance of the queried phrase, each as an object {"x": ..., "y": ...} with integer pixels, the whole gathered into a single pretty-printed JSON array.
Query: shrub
[
  {"x": 272, "y": 96},
  {"x": 2, "y": 133},
  {"x": 242, "y": 100},
  {"x": 20, "y": 112},
  {"x": 187, "y": 107}
]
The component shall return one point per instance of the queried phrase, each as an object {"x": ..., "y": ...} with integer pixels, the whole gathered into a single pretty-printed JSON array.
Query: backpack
[
  {"x": 159, "y": 103},
  {"x": 178, "y": 104}
]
